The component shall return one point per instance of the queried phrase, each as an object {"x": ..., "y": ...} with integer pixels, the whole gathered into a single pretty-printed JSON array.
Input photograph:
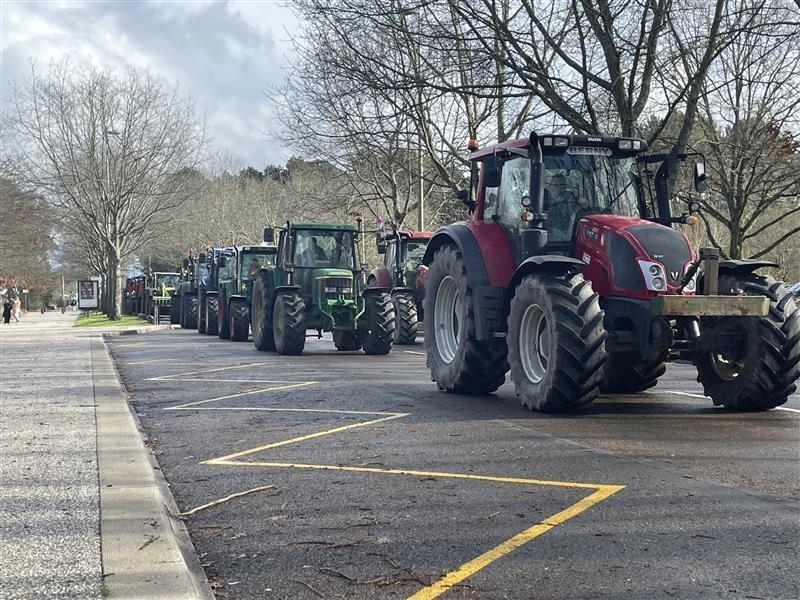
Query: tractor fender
[
  {"x": 371, "y": 291},
  {"x": 382, "y": 277},
  {"x": 286, "y": 288},
  {"x": 552, "y": 263},
  {"x": 486, "y": 299},
  {"x": 743, "y": 266}
]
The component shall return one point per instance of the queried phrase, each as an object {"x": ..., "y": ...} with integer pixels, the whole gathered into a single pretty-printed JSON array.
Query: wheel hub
[
  {"x": 534, "y": 343},
  {"x": 448, "y": 328}
]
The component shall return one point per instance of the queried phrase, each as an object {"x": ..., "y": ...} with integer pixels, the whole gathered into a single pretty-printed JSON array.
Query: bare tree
[
  {"x": 115, "y": 152},
  {"x": 750, "y": 122}
]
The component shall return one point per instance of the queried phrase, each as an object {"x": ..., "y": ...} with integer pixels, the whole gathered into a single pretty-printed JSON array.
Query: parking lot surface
[{"x": 339, "y": 475}]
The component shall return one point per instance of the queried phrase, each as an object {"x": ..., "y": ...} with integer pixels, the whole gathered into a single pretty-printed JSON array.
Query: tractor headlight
[
  {"x": 691, "y": 285},
  {"x": 654, "y": 277}
]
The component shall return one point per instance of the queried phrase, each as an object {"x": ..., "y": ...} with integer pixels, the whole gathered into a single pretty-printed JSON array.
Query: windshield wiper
[{"x": 618, "y": 196}]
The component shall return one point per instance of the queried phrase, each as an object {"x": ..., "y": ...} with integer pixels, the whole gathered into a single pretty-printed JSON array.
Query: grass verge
[{"x": 101, "y": 320}]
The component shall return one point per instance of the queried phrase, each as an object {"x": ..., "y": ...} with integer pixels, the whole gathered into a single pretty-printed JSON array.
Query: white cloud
[{"x": 223, "y": 54}]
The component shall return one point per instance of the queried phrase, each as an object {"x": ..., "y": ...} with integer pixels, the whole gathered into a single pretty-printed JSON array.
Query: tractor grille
[
  {"x": 666, "y": 246},
  {"x": 338, "y": 286}
]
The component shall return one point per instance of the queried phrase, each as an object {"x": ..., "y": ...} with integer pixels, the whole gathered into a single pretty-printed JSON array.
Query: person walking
[
  {"x": 17, "y": 308},
  {"x": 7, "y": 311}
]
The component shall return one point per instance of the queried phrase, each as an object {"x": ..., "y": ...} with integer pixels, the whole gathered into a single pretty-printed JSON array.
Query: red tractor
[
  {"x": 402, "y": 252},
  {"x": 570, "y": 274}
]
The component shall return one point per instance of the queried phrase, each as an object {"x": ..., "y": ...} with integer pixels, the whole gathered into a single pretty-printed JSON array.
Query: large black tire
[
  {"x": 556, "y": 341},
  {"x": 238, "y": 320},
  {"x": 201, "y": 313},
  {"x": 765, "y": 373},
  {"x": 212, "y": 304},
  {"x": 261, "y": 313},
  {"x": 288, "y": 323},
  {"x": 174, "y": 311},
  {"x": 346, "y": 341},
  {"x": 189, "y": 311},
  {"x": 627, "y": 373},
  {"x": 223, "y": 321},
  {"x": 475, "y": 367},
  {"x": 376, "y": 329},
  {"x": 407, "y": 321}
]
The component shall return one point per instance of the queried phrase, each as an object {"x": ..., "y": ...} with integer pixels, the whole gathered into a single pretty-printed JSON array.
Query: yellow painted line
[
  {"x": 227, "y": 460},
  {"x": 203, "y": 371},
  {"x": 209, "y": 380},
  {"x": 301, "y": 438},
  {"x": 300, "y": 410},
  {"x": 479, "y": 562},
  {"x": 188, "y": 405},
  {"x": 677, "y": 393}
]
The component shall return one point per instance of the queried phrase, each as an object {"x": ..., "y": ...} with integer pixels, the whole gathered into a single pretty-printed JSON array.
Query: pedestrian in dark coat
[{"x": 7, "y": 311}]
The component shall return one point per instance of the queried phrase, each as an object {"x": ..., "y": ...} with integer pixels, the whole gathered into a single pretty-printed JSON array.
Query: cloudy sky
[{"x": 224, "y": 54}]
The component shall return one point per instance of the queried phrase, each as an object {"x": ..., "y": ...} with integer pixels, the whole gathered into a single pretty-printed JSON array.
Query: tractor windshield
[
  {"x": 253, "y": 261},
  {"x": 414, "y": 253},
  {"x": 169, "y": 281},
  {"x": 321, "y": 249}
]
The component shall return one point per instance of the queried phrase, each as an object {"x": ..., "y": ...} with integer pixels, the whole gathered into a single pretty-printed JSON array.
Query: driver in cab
[{"x": 561, "y": 206}]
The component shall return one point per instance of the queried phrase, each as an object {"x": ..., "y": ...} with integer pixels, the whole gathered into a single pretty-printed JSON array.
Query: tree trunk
[{"x": 114, "y": 302}]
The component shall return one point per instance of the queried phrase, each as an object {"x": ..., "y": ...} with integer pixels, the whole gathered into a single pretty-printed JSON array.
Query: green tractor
[
  {"x": 185, "y": 298},
  {"x": 235, "y": 288},
  {"x": 216, "y": 271},
  {"x": 317, "y": 283},
  {"x": 158, "y": 296}
]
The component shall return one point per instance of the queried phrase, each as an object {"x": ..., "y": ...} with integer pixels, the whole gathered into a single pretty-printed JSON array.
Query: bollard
[{"x": 63, "y": 310}]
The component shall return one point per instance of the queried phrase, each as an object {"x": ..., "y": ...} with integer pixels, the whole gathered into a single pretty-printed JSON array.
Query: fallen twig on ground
[{"x": 217, "y": 502}]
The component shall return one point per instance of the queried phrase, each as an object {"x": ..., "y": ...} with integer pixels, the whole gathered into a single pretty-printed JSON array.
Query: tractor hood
[{"x": 650, "y": 242}]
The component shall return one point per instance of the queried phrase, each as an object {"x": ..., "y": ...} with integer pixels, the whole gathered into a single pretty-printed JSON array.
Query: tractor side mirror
[
  {"x": 201, "y": 257},
  {"x": 185, "y": 263},
  {"x": 222, "y": 261},
  {"x": 492, "y": 171},
  {"x": 269, "y": 235},
  {"x": 380, "y": 243},
  {"x": 700, "y": 182}
]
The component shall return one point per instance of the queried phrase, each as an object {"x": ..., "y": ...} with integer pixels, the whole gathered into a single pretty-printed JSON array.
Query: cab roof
[
  {"x": 559, "y": 144},
  {"x": 324, "y": 226},
  {"x": 261, "y": 249}
]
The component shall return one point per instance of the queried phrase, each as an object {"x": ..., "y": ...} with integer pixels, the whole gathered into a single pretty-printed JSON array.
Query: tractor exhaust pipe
[{"x": 534, "y": 237}]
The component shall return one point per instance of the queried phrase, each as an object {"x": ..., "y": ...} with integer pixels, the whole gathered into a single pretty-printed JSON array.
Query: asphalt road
[{"x": 386, "y": 488}]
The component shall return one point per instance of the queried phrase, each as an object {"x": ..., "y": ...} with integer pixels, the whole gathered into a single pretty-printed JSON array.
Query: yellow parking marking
[
  {"x": 479, "y": 562},
  {"x": 204, "y": 371},
  {"x": 677, "y": 393},
  {"x": 259, "y": 391},
  {"x": 229, "y": 457}
]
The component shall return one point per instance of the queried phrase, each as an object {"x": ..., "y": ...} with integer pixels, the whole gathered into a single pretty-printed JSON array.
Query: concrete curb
[
  {"x": 140, "y": 330},
  {"x": 146, "y": 554}
]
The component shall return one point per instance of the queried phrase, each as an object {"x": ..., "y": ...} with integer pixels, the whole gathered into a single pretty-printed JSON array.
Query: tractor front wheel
[
  {"x": 288, "y": 326},
  {"x": 458, "y": 362},
  {"x": 405, "y": 310},
  {"x": 556, "y": 342},
  {"x": 189, "y": 311},
  {"x": 762, "y": 371},
  {"x": 239, "y": 320},
  {"x": 377, "y": 332},
  {"x": 628, "y": 373},
  {"x": 223, "y": 331},
  {"x": 261, "y": 314},
  {"x": 174, "y": 311},
  {"x": 212, "y": 304},
  {"x": 346, "y": 341}
]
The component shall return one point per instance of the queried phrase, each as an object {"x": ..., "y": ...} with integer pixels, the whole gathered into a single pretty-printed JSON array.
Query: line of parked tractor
[{"x": 569, "y": 273}]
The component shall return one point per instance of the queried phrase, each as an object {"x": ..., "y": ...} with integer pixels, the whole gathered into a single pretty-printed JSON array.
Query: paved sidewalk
[{"x": 67, "y": 518}]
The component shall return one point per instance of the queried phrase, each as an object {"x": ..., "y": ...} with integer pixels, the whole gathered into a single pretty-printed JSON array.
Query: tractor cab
[{"x": 570, "y": 272}]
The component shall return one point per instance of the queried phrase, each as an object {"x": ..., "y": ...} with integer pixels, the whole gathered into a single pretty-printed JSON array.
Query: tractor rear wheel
[
  {"x": 212, "y": 304},
  {"x": 201, "y": 313},
  {"x": 261, "y": 314},
  {"x": 288, "y": 324},
  {"x": 239, "y": 320},
  {"x": 556, "y": 342},
  {"x": 174, "y": 311},
  {"x": 377, "y": 332},
  {"x": 458, "y": 362},
  {"x": 627, "y": 373},
  {"x": 764, "y": 371},
  {"x": 407, "y": 324},
  {"x": 346, "y": 341},
  {"x": 189, "y": 311},
  {"x": 223, "y": 329}
]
